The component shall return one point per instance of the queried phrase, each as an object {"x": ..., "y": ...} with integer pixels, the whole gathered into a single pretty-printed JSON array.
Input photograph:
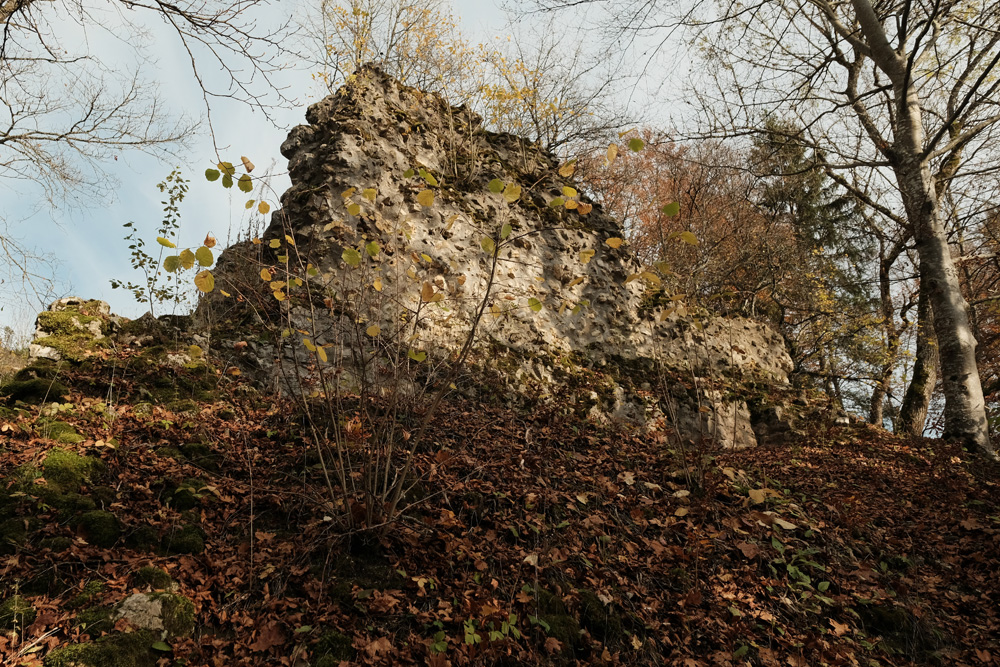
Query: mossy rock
[
  {"x": 128, "y": 649},
  {"x": 178, "y": 614},
  {"x": 170, "y": 453},
  {"x": 183, "y": 405},
  {"x": 13, "y": 534},
  {"x": 561, "y": 624},
  {"x": 142, "y": 410},
  {"x": 102, "y": 528},
  {"x": 901, "y": 630},
  {"x": 188, "y": 494},
  {"x": 76, "y": 332},
  {"x": 33, "y": 391},
  {"x": 143, "y": 538},
  {"x": 188, "y": 539},
  {"x": 169, "y": 614},
  {"x": 91, "y": 591},
  {"x": 103, "y": 496},
  {"x": 603, "y": 621},
  {"x": 332, "y": 648},
  {"x": 153, "y": 577},
  {"x": 16, "y": 613},
  {"x": 201, "y": 455},
  {"x": 95, "y": 621},
  {"x": 41, "y": 369},
  {"x": 67, "y": 471},
  {"x": 57, "y": 544}
]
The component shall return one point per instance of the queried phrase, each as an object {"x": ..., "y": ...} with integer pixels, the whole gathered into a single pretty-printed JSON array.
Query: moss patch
[
  {"x": 16, "y": 612},
  {"x": 67, "y": 471},
  {"x": 178, "y": 614},
  {"x": 130, "y": 649},
  {"x": 154, "y": 577},
  {"x": 603, "y": 622},
  {"x": 561, "y": 624},
  {"x": 33, "y": 391},
  {"x": 70, "y": 331},
  {"x": 95, "y": 621},
  {"x": 59, "y": 431},
  {"x": 186, "y": 540},
  {"x": 102, "y": 528},
  {"x": 13, "y": 534},
  {"x": 332, "y": 648},
  {"x": 90, "y": 592}
]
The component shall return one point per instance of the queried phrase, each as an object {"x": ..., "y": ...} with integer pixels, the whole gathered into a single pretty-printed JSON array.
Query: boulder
[{"x": 362, "y": 264}]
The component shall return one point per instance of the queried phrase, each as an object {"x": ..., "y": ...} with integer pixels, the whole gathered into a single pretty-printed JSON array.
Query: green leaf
[
  {"x": 689, "y": 238},
  {"x": 428, "y": 177},
  {"x": 496, "y": 186},
  {"x": 557, "y": 202},
  {"x": 352, "y": 257},
  {"x": 227, "y": 181},
  {"x": 636, "y": 144},
  {"x": 249, "y": 204},
  {"x": 671, "y": 209},
  {"x": 426, "y": 198},
  {"x": 417, "y": 356},
  {"x": 166, "y": 243},
  {"x": 740, "y": 652},
  {"x": 823, "y": 586},
  {"x": 303, "y": 629},
  {"x": 245, "y": 183},
  {"x": 535, "y": 304},
  {"x": 205, "y": 281},
  {"x": 505, "y": 230},
  {"x": 372, "y": 249},
  {"x": 204, "y": 256},
  {"x": 409, "y": 173},
  {"x": 212, "y": 174},
  {"x": 161, "y": 646},
  {"x": 489, "y": 246},
  {"x": 171, "y": 263}
]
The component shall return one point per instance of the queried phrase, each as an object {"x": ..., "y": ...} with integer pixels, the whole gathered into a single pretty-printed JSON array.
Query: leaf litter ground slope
[{"x": 533, "y": 538}]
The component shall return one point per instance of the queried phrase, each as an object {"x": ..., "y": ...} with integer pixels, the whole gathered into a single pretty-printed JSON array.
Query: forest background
[{"x": 782, "y": 233}]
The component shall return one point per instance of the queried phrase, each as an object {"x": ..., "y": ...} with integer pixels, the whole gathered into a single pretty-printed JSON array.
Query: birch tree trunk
[
  {"x": 965, "y": 408},
  {"x": 917, "y": 400}
]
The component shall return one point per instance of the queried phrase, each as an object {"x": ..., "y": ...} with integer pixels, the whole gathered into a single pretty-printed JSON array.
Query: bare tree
[{"x": 906, "y": 90}]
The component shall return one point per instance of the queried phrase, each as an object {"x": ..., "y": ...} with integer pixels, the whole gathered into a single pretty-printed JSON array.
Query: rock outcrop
[{"x": 397, "y": 202}]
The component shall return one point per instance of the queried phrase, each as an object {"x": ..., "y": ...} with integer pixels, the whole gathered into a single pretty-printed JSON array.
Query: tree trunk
[
  {"x": 881, "y": 390},
  {"x": 917, "y": 400},
  {"x": 964, "y": 406}
]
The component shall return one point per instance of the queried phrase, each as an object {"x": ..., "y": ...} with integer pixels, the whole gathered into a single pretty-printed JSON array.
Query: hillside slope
[{"x": 534, "y": 537}]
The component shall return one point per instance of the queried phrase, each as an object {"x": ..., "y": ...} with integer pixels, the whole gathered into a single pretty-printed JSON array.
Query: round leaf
[
  {"x": 488, "y": 245},
  {"x": 557, "y": 202},
  {"x": 352, "y": 257},
  {"x": 426, "y": 198},
  {"x": 354, "y": 209},
  {"x": 689, "y": 238},
  {"x": 417, "y": 356},
  {"x": 496, "y": 186},
  {"x": 373, "y": 330},
  {"x": 204, "y": 256},
  {"x": 227, "y": 168},
  {"x": 671, "y": 209},
  {"x": 614, "y": 242},
  {"x": 205, "y": 281},
  {"x": 535, "y": 304},
  {"x": 372, "y": 249},
  {"x": 245, "y": 183},
  {"x": 171, "y": 263},
  {"x": 512, "y": 193},
  {"x": 212, "y": 174},
  {"x": 584, "y": 209},
  {"x": 587, "y": 255},
  {"x": 505, "y": 230},
  {"x": 187, "y": 258},
  {"x": 569, "y": 192},
  {"x": 369, "y": 194},
  {"x": 636, "y": 144},
  {"x": 263, "y": 208},
  {"x": 265, "y": 275},
  {"x": 227, "y": 181}
]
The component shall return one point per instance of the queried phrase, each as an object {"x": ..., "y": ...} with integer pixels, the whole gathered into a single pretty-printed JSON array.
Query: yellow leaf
[
  {"x": 205, "y": 281},
  {"x": 278, "y": 295},
  {"x": 263, "y": 208},
  {"x": 377, "y": 284},
  {"x": 354, "y": 209},
  {"x": 571, "y": 204},
  {"x": 451, "y": 221},
  {"x": 614, "y": 242},
  {"x": 569, "y": 192},
  {"x": 321, "y": 353},
  {"x": 290, "y": 240},
  {"x": 373, "y": 330},
  {"x": 652, "y": 278},
  {"x": 309, "y": 344},
  {"x": 426, "y": 198},
  {"x": 567, "y": 169},
  {"x": 347, "y": 193},
  {"x": 187, "y": 258},
  {"x": 275, "y": 243},
  {"x": 369, "y": 194},
  {"x": 224, "y": 292},
  {"x": 576, "y": 281},
  {"x": 689, "y": 238},
  {"x": 265, "y": 275},
  {"x": 194, "y": 352},
  {"x": 612, "y": 153},
  {"x": 277, "y": 285},
  {"x": 587, "y": 255}
]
